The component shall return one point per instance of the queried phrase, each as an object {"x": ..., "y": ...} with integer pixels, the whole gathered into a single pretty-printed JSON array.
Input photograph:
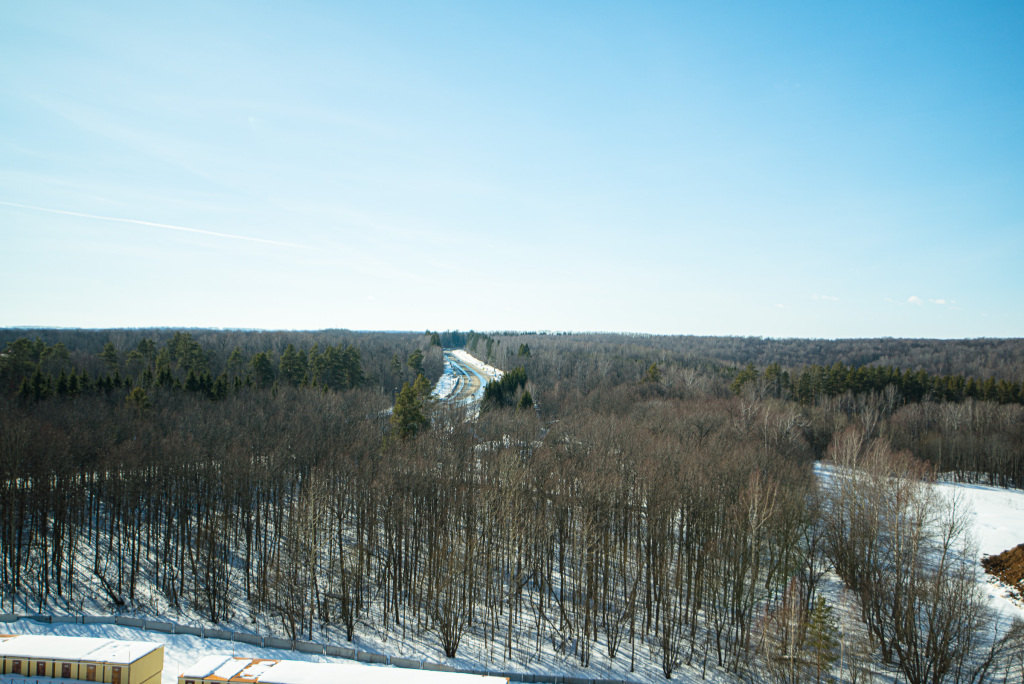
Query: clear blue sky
[{"x": 803, "y": 169}]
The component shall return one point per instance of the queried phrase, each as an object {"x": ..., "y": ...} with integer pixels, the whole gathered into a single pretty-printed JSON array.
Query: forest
[{"x": 675, "y": 499}]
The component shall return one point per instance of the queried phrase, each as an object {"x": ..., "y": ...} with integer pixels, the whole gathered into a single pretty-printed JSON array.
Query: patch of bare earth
[{"x": 1008, "y": 567}]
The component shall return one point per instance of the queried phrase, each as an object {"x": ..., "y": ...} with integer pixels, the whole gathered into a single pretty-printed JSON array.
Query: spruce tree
[{"x": 822, "y": 637}]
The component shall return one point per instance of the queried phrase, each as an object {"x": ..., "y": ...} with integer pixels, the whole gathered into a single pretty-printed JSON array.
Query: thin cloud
[
  {"x": 915, "y": 300},
  {"x": 937, "y": 301},
  {"x": 156, "y": 225}
]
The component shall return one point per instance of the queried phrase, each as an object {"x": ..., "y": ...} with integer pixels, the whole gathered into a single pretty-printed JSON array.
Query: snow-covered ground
[
  {"x": 180, "y": 650},
  {"x": 998, "y": 525}
]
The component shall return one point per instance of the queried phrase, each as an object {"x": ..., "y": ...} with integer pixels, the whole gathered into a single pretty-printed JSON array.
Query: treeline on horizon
[
  {"x": 652, "y": 503},
  {"x": 211, "y": 363}
]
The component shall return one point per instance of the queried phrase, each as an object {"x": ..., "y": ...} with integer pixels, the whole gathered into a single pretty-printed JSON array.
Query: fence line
[{"x": 300, "y": 646}]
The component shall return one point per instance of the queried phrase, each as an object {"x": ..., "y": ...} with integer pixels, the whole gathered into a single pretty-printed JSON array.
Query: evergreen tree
[
  {"x": 62, "y": 384},
  {"x": 147, "y": 348},
  {"x": 25, "y": 391},
  {"x": 293, "y": 365},
  {"x": 262, "y": 369},
  {"x": 407, "y": 417},
  {"x": 525, "y": 402},
  {"x": 422, "y": 387},
  {"x": 352, "y": 367},
  {"x": 220, "y": 387},
  {"x": 39, "y": 385},
  {"x": 822, "y": 637},
  {"x": 415, "y": 362},
  {"x": 524, "y": 350},
  {"x": 109, "y": 355},
  {"x": 235, "y": 361},
  {"x": 743, "y": 377},
  {"x": 653, "y": 374},
  {"x": 137, "y": 398}
]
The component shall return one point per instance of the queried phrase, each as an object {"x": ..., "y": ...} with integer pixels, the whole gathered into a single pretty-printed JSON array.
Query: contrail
[{"x": 155, "y": 225}]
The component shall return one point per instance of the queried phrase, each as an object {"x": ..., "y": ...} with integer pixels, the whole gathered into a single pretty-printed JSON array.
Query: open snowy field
[{"x": 998, "y": 526}]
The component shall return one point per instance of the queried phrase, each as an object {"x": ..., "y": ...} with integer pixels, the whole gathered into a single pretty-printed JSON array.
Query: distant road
[{"x": 465, "y": 378}]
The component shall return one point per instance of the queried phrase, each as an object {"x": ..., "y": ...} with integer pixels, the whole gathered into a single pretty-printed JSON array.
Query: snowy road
[{"x": 464, "y": 380}]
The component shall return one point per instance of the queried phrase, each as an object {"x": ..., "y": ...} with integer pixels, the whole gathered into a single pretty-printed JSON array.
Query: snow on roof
[
  {"x": 257, "y": 669},
  {"x": 230, "y": 669},
  {"x": 48, "y": 647},
  {"x": 207, "y": 665},
  {"x": 222, "y": 666},
  {"x": 298, "y": 672}
]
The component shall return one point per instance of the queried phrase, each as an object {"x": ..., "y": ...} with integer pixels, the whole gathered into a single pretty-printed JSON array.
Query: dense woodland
[{"x": 655, "y": 498}]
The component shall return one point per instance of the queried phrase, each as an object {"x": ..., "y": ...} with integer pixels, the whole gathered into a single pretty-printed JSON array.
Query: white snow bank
[{"x": 488, "y": 371}]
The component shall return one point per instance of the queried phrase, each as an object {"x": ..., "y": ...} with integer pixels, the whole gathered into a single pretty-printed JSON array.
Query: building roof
[
  {"x": 245, "y": 670},
  {"x": 89, "y": 649}
]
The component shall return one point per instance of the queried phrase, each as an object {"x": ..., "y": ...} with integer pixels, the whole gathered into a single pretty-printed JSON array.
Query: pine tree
[
  {"x": 525, "y": 402},
  {"x": 109, "y": 355},
  {"x": 262, "y": 369},
  {"x": 415, "y": 361},
  {"x": 653, "y": 374},
  {"x": 352, "y": 367},
  {"x": 407, "y": 416},
  {"x": 138, "y": 399},
  {"x": 62, "y": 384},
  {"x": 293, "y": 365},
  {"x": 421, "y": 386},
  {"x": 147, "y": 348}
]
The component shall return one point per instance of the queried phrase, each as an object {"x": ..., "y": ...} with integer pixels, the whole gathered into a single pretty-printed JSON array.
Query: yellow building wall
[
  {"x": 32, "y": 664},
  {"x": 141, "y": 671},
  {"x": 145, "y": 667}
]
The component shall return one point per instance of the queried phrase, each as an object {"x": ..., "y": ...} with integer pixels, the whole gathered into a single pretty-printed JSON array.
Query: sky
[{"x": 711, "y": 168}]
